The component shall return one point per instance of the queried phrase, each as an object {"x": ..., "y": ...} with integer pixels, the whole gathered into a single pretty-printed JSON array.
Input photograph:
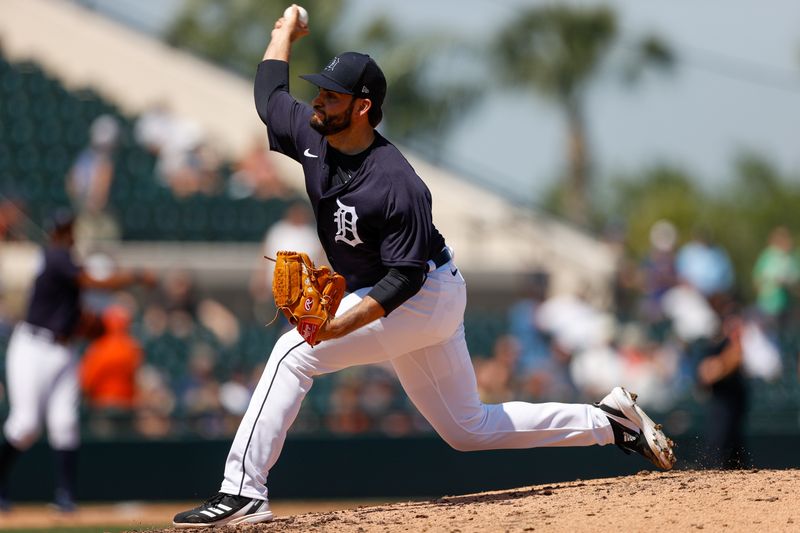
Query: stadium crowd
[{"x": 180, "y": 362}]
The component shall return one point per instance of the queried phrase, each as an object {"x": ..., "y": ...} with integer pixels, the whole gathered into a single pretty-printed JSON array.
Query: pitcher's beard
[{"x": 331, "y": 125}]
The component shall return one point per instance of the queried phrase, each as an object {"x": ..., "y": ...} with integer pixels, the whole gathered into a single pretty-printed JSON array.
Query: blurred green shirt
[{"x": 774, "y": 274}]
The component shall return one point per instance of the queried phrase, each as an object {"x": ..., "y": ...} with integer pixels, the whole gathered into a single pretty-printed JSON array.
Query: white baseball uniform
[
  {"x": 374, "y": 220},
  {"x": 424, "y": 340},
  {"x": 43, "y": 386}
]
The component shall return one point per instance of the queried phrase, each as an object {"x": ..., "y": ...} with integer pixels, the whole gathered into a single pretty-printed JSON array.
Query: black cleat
[
  {"x": 64, "y": 502},
  {"x": 224, "y": 509}
]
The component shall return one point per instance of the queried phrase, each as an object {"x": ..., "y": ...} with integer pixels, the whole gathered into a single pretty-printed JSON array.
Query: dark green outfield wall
[{"x": 347, "y": 468}]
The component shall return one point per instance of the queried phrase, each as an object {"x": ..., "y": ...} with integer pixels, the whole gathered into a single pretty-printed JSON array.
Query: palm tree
[{"x": 559, "y": 51}]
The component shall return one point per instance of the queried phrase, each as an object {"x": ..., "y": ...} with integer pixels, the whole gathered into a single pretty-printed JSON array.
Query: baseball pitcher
[{"x": 405, "y": 301}]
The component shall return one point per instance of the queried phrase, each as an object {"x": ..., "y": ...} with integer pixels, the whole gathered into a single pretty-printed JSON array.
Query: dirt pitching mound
[{"x": 685, "y": 500}]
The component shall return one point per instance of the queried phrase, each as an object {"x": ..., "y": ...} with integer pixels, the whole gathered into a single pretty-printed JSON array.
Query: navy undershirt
[{"x": 343, "y": 166}]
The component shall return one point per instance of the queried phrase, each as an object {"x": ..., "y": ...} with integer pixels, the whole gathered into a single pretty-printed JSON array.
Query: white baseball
[{"x": 303, "y": 16}]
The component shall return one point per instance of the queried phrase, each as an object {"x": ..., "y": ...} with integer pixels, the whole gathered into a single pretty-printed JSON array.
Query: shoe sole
[
  {"x": 254, "y": 518},
  {"x": 660, "y": 445}
]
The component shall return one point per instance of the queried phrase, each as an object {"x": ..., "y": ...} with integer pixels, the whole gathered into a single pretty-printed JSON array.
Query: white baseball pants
[
  {"x": 42, "y": 379},
  {"x": 424, "y": 340}
]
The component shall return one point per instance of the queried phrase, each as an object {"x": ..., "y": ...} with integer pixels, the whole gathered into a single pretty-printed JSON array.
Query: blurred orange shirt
[{"x": 108, "y": 369}]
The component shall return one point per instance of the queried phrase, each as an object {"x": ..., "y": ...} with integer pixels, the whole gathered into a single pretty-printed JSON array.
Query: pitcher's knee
[
  {"x": 464, "y": 440},
  {"x": 466, "y": 431},
  {"x": 22, "y": 434}
]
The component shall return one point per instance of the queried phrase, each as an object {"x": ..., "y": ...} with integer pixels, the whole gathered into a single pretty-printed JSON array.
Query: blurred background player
[{"x": 41, "y": 364}]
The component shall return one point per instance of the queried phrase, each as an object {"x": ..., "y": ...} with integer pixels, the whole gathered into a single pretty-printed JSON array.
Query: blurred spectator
[
  {"x": 89, "y": 183},
  {"x": 397, "y": 423},
  {"x": 108, "y": 374},
  {"x": 345, "y": 414},
  {"x": 572, "y": 322},
  {"x": 534, "y": 348},
  {"x": 597, "y": 367},
  {"x": 296, "y": 232},
  {"x": 100, "y": 265},
  {"x": 154, "y": 128},
  {"x": 761, "y": 354},
  {"x": 186, "y": 165},
  {"x": 626, "y": 281},
  {"x": 627, "y": 287},
  {"x": 154, "y": 321},
  {"x": 705, "y": 265},
  {"x": 659, "y": 275},
  {"x": 179, "y": 293},
  {"x": 694, "y": 323},
  {"x": 690, "y": 313},
  {"x": 199, "y": 393},
  {"x": 495, "y": 375},
  {"x": 255, "y": 174},
  {"x": 378, "y": 393},
  {"x": 720, "y": 372},
  {"x": 155, "y": 404},
  {"x": 776, "y": 275},
  {"x": 12, "y": 219},
  {"x": 648, "y": 368},
  {"x": 234, "y": 396},
  {"x": 196, "y": 170},
  {"x": 206, "y": 161},
  {"x": 184, "y": 308},
  {"x": 219, "y": 320}
]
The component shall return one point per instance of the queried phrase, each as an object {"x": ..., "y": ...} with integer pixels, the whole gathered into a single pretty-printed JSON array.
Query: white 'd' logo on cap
[{"x": 332, "y": 64}]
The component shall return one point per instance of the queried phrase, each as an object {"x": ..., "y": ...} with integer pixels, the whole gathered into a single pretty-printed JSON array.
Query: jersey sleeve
[
  {"x": 405, "y": 241},
  {"x": 287, "y": 120},
  {"x": 63, "y": 266}
]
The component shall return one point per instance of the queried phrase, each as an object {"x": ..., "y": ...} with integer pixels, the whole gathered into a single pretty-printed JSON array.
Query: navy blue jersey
[
  {"x": 732, "y": 386},
  {"x": 376, "y": 216},
  {"x": 55, "y": 301}
]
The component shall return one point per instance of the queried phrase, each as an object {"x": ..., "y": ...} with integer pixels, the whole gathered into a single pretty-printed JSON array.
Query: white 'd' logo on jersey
[{"x": 345, "y": 218}]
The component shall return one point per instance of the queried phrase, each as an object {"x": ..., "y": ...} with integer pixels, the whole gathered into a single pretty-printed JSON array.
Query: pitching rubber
[{"x": 659, "y": 444}]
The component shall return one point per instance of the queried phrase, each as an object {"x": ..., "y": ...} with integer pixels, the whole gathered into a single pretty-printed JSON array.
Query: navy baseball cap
[{"x": 352, "y": 73}]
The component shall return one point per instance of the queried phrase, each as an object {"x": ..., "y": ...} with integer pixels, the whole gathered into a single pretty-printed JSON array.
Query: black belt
[{"x": 440, "y": 259}]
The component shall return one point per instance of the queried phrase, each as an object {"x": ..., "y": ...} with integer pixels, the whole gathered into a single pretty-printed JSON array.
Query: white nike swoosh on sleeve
[{"x": 309, "y": 154}]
